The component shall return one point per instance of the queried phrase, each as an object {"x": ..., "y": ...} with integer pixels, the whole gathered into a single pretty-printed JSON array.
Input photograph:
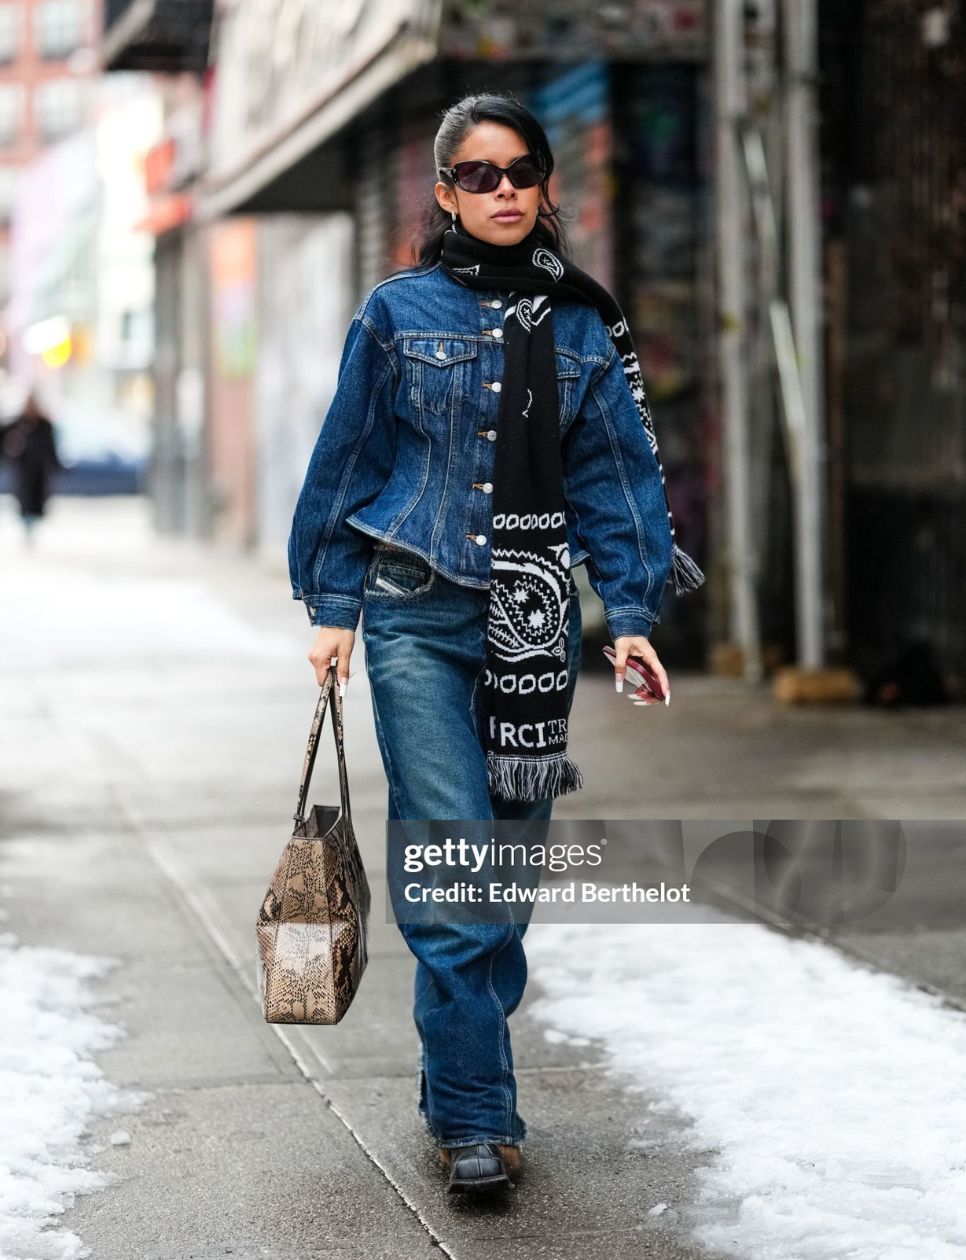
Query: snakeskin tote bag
[{"x": 312, "y": 924}]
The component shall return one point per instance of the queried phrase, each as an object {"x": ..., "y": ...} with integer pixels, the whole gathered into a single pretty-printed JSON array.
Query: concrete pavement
[{"x": 155, "y": 700}]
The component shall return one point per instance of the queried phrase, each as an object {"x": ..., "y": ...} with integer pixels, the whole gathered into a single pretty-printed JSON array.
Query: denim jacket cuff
[
  {"x": 625, "y": 621},
  {"x": 341, "y": 611}
]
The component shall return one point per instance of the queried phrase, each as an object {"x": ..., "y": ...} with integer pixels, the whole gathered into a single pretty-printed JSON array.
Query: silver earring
[{"x": 453, "y": 213}]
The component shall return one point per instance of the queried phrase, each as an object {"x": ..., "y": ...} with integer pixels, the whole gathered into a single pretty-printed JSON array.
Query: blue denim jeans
[{"x": 425, "y": 642}]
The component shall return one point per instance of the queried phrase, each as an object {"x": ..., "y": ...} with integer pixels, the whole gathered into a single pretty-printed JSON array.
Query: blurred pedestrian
[
  {"x": 475, "y": 451},
  {"x": 27, "y": 443}
]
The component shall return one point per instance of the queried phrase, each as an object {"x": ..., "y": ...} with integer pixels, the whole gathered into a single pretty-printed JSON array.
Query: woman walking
[
  {"x": 28, "y": 443},
  {"x": 489, "y": 432}
]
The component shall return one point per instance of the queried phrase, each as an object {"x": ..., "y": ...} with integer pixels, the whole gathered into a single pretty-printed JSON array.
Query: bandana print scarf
[{"x": 530, "y": 581}]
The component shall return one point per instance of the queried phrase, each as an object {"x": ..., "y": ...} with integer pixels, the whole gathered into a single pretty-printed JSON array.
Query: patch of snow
[
  {"x": 50, "y": 1088},
  {"x": 829, "y": 1095}
]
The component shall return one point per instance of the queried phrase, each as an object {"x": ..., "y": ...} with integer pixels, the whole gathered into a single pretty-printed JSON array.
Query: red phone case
[{"x": 650, "y": 680}]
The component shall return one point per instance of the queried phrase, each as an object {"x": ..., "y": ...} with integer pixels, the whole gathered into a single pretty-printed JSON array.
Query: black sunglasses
[{"x": 484, "y": 177}]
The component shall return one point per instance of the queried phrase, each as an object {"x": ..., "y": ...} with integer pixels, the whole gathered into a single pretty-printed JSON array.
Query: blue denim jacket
[{"x": 406, "y": 454}]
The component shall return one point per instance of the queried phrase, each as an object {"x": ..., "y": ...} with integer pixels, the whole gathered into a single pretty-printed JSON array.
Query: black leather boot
[{"x": 479, "y": 1167}]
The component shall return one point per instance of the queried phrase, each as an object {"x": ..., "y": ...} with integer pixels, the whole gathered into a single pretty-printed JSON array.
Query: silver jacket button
[
  {"x": 491, "y": 434},
  {"x": 487, "y": 487},
  {"x": 496, "y": 387},
  {"x": 497, "y": 332},
  {"x": 480, "y": 538},
  {"x": 496, "y": 304},
  {"x": 440, "y": 354}
]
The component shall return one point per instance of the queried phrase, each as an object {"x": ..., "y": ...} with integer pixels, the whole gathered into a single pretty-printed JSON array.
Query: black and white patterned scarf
[{"x": 530, "y": 581}]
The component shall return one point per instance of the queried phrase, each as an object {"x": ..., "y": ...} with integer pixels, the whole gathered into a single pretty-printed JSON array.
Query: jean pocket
[{"x": 399, "y": 574}]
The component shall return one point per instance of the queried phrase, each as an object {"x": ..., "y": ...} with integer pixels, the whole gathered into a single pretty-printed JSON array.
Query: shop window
[
  {"x": 11, "y": 113},
  {"x": 58, "y": 28},
  {"x": 58, "y": 106},
  {"x": 9, "y": 33}
]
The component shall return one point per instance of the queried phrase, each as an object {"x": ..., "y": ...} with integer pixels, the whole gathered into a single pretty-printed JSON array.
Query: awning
[
  {"x": 273, "y": 114},
  {"x": 167, "y": 36}
]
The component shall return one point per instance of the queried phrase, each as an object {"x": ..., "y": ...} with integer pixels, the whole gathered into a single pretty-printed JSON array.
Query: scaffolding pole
[
  {"x": 742, "y": 555},
  {"x": 805, "y": 304}
]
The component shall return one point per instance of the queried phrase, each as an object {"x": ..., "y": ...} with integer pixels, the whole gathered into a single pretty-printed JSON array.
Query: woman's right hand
[{"x": 332, "y": 642}]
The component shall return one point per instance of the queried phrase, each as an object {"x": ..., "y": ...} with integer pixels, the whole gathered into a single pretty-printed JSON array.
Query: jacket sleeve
[
  {"x": 351, "y": 463},
  {"x": 613, "y": 485}
]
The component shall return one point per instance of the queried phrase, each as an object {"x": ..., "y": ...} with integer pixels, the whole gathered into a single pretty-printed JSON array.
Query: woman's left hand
[{"x": 638, "y": 645}]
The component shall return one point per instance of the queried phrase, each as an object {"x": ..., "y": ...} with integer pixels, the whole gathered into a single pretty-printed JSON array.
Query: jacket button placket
[{"x": 495, "y": 387}]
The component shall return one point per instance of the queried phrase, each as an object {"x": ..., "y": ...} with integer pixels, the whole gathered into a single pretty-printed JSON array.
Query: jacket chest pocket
[
  {"x": 438, "y": 370},
  {"x": 568, "y": 385}
]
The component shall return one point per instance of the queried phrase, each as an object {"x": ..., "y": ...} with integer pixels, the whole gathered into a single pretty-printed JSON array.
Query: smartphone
[{"x": 639, "y": 674}]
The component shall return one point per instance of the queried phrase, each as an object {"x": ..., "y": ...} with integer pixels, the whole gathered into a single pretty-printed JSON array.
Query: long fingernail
[
  {"x": 342, "y": 690},
  {"x": 619, "y": 681}
]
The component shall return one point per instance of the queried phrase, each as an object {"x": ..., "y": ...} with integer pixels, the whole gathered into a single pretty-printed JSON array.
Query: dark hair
[{"x": 457, "y": 122}]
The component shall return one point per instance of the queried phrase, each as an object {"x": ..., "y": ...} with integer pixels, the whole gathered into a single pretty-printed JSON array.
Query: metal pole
[
  {"x": 729, "y": 106},
  {"x": 805, "y": 297}
]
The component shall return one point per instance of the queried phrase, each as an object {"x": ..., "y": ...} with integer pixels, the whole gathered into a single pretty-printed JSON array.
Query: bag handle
[{"x": 330, "y": 690}]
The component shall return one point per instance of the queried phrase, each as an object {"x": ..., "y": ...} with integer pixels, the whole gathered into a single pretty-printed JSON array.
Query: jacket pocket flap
[
  {"x": 568, "y": 364},
  {"x": 439, "y": 351}
]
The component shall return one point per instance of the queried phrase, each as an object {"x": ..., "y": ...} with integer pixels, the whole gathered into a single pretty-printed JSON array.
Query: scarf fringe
[
  {"x": 515, "y": 780},
  {"x": 685, "y": 573}
]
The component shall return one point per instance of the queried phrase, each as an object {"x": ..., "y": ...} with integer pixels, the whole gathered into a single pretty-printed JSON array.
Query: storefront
[
  {"x": 179, "y": 477},
  {"x": 895, "y": 198}
]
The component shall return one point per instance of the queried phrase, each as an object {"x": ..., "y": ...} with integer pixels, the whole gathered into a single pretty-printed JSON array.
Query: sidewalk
[{"x": 154, "y": 705}]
